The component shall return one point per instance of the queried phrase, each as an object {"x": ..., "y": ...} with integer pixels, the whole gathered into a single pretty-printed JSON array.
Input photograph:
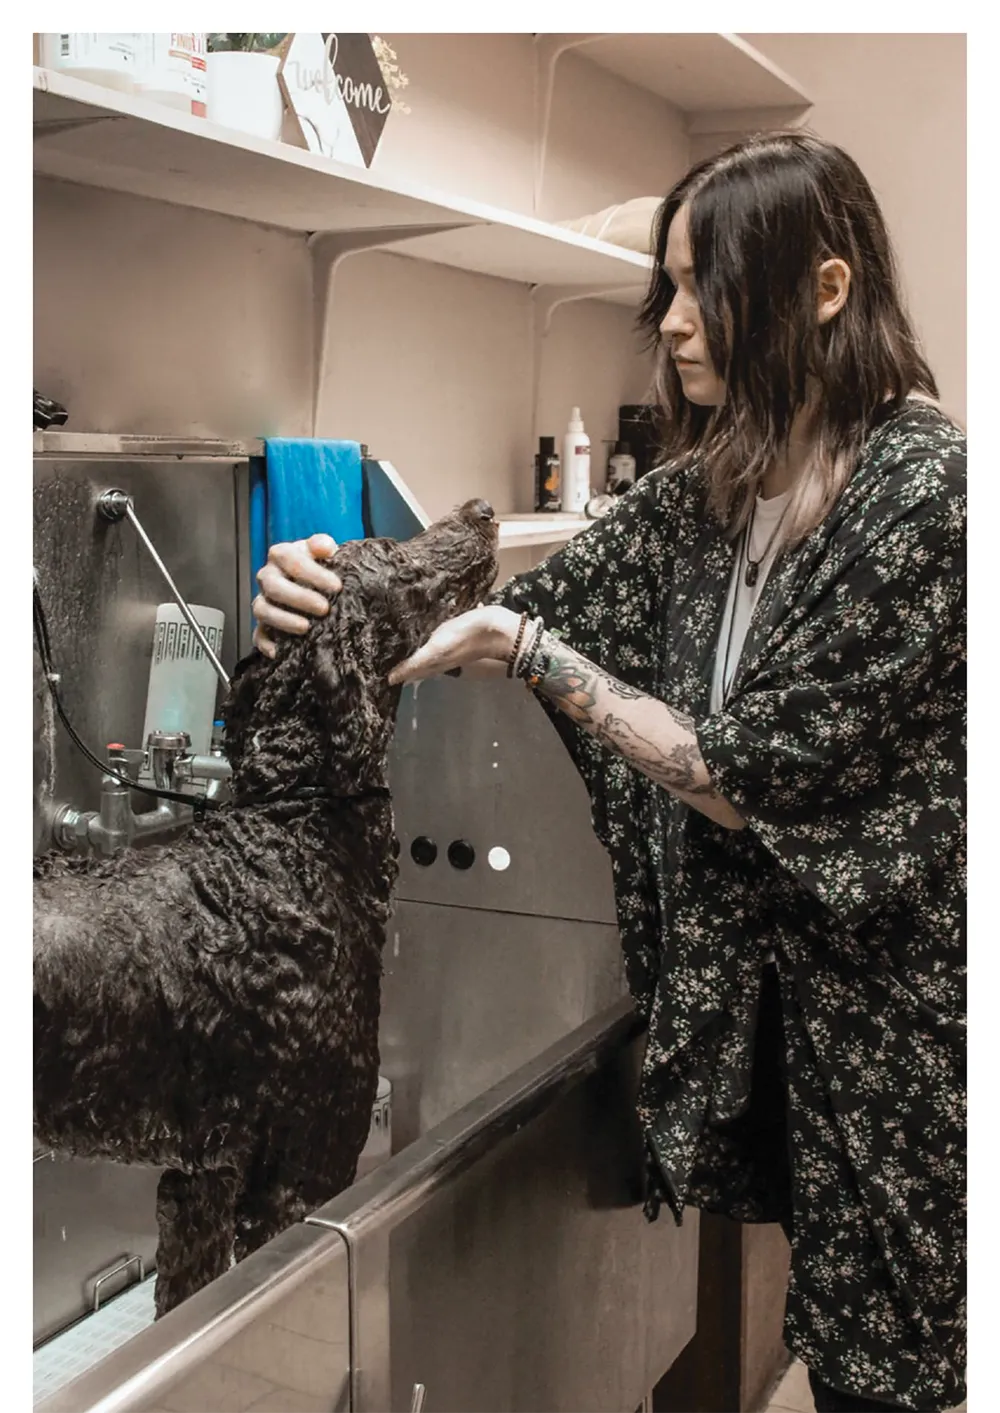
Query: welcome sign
[{"x": 334, "y": 85}]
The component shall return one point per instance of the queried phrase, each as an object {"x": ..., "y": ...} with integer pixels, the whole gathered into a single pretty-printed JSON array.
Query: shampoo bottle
[
  {"x": 547, "y": 478},
  {"x": 576, "y": 465}
]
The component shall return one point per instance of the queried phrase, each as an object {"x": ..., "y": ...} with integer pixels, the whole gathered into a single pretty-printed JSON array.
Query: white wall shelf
[
  {"x": 101, "y": 138},
  {"x": 701, "y": 74},
  {"x": 517, "y": 531}
]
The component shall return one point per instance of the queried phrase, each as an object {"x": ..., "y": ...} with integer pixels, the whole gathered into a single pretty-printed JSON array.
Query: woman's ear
[{"x": 834, "y": 286}]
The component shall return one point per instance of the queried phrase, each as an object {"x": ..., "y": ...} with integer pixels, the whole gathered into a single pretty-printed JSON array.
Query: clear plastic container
[{"x": 111, "y": 60}]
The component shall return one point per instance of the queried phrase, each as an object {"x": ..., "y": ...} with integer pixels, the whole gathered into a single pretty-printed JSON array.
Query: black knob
[
  {"x": 461, "y": 854},
  {"x": 423, "y": 851},
  {"x": 395, "y": 846}
]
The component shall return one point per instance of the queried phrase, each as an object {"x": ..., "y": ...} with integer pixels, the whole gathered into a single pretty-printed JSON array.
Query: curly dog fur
[{"x": 212, "y": 1007}]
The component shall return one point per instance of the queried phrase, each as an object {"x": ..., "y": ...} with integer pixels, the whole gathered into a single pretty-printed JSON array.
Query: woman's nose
[{"x": 675, "y": 323}]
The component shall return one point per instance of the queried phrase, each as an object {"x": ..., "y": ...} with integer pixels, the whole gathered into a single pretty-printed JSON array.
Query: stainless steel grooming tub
[{"x": 499, "y": 1260}]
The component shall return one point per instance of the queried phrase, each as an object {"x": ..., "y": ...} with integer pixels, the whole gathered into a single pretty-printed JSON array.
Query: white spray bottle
[{"x": 576, "y": 465}]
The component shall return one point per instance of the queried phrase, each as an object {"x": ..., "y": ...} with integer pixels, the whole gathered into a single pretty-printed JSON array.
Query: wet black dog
[{"x": 213, "y": 1007}]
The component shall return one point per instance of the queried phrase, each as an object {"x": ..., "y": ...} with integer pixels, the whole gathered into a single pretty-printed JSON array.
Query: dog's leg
[
  {"x": 195, "y": 1215},
  {"x": 272, "y": 1201},
  {"x": 263, "y": 1209}
]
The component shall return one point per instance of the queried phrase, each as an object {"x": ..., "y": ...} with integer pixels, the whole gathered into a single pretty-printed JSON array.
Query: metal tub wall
[
  {"x": 500, "y": 1257},
  {"x": 100, "y": 591},
  {"x": 485, "y": 967},
  {"x": 502, "y": 1261}
]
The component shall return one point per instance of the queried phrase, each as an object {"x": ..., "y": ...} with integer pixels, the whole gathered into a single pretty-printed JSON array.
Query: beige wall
[
  {"x": 155, "y": 318},
  {"x": 897, "y": 103},
  {"x": 161, "y": 319}
]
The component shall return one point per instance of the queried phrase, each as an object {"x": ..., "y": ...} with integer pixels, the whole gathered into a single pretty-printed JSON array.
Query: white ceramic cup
[{"x": 243, "y": 92}]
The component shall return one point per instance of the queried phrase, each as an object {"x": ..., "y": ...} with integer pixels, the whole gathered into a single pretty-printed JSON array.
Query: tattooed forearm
[
  {"x": 654, "y": 737},
  {"x": 675, "y": 766}
]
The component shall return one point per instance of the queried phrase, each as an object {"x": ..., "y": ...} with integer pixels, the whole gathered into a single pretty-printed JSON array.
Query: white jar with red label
[{"x": 173, "y": 71}]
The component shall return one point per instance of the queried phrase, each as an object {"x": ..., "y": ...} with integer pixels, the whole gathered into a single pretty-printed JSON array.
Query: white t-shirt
[{"x": 742, "y": 598}]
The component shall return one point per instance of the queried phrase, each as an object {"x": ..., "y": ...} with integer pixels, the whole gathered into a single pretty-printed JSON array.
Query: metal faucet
[{"x": 115, "y": 825}]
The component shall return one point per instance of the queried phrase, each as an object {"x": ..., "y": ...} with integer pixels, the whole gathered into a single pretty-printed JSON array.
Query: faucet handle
[{"x": 125, "y": 758}]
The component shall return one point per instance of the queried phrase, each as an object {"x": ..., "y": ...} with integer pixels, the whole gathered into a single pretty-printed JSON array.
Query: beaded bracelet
[
  {"x": 539, "y": 665},
  {"x": 527, "y": 657},
  {"x": 517, "y": 644}
]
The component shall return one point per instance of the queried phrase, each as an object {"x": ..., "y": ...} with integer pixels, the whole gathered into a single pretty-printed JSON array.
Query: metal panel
[
  {"x": 71, "y": 445},
  {"x": 271, "y": 1334},
  {"x": 88, "y": 1216},
  {"x": 100, "y": 588},
  {"x": 500, "y": 777},
  {"x": 469, "y": 996},
  {"x": 503, "y": 1261},
  {"x": 100, "y": 591}
]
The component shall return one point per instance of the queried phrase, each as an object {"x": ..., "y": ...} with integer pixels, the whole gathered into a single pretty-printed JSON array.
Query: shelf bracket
[
  {"x": 545, "y": 300},
  {"x": 549, "y": 49},
  {"x": 328, "y": 250}
]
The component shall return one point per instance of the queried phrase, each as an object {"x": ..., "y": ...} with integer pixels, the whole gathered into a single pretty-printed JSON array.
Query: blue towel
[{"x": 303, "y": 486}]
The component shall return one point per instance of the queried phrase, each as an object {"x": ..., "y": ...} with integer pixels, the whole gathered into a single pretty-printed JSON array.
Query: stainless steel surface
[
  {"x": 100, "y": 593},
  {"x": 503, "y": 1259},
  {"x": 105, "y": 445},
  {"x": 117, "y": 1270},
  {"x": 417, "y": 1401},
  {"x": 270, "y": 1335},
  {"x": 500, "y": 1261},
  {"x": 479, "y": 761},
  {"x": 87, "y": 1215},
  {"x": 115, "y": 505},
  {"x": 468, "y": 996}
]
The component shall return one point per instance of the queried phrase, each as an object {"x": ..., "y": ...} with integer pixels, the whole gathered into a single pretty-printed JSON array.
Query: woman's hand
[
  {"x": 288, "y": 581},
  {"x": 482, "y": 633}
]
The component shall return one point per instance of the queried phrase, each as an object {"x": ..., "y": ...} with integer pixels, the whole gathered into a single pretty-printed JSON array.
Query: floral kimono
[{"x": 842, "y": 746}]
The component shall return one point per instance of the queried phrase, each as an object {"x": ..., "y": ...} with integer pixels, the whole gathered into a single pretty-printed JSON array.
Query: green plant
[{"x": 245, "y": 43}]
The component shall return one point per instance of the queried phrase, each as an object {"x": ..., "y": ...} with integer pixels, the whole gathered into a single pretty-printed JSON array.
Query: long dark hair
[{"x": 763, "y": 215}]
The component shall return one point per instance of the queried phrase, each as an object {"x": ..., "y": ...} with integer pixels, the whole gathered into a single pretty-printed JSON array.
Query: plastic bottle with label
[
  {"x": 576, "y": 466},
  {"x": 621, "y": 469},
  {"x": 548, "y": 492},
  {"x": 111, "y": 60},
  {"x": 172, "y": 70}
]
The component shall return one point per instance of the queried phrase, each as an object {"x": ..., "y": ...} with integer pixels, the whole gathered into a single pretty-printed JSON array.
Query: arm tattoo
[
  {"x": 673, "y": 768},
  {"x": 572, "y": 683}
]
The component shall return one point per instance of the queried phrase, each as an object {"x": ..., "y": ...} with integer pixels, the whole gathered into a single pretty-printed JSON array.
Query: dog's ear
[{"x": 343, "y": 672}]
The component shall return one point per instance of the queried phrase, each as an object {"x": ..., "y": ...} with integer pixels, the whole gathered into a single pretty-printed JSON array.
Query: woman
[{"x": 757, "y": 664}]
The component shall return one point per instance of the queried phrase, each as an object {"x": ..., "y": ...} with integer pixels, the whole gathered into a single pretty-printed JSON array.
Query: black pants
[{"x": 771, "y": 1123}]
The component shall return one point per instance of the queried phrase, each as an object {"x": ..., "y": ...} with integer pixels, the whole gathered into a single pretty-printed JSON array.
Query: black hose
[{"x": 197, "y": 802}]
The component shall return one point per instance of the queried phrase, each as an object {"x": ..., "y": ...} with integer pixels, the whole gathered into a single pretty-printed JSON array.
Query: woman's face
[{"x": 682, "y": 326}]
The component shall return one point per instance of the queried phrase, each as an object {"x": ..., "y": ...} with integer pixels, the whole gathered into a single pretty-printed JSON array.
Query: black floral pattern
[{"x": 842, "y": 745}]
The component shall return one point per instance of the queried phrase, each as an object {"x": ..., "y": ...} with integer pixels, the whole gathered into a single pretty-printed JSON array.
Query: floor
[
  {"x": 83, "y": 1344},
  {"x": 793, "y": 1396}
]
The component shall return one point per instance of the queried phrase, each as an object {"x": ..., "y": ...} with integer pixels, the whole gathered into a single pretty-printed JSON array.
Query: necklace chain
[
  {"x": 752, "y": 572},
  {"x": 750, "y": 576}
]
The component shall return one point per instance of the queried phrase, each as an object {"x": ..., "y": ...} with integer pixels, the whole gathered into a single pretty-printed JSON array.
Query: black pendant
[{"x": 750, "y": 577}]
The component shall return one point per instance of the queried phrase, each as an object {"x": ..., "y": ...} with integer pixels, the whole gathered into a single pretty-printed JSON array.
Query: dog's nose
[{"x": 480, "y": 510}]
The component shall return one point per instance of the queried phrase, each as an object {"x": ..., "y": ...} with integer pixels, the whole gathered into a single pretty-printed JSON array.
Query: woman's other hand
[
  {"x": 483, "y": 633},
  {"x": 293, "y": 582}
]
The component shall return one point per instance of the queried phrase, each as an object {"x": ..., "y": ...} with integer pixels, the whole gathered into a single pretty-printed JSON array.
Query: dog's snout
[{"x": 479, "y": 510}]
